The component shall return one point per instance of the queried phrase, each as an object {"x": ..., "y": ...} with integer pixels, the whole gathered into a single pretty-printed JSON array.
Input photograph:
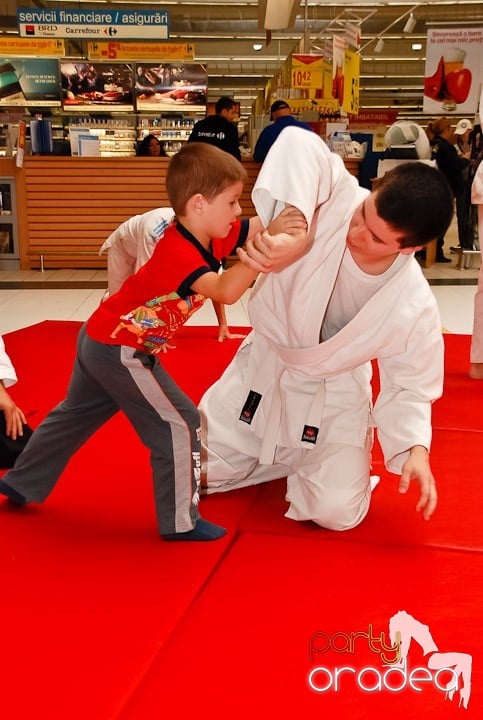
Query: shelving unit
[
  {"x": 171, "y": 130},
  {"x": 118, "y": 133},
  {"x": 9, "y": 254}
]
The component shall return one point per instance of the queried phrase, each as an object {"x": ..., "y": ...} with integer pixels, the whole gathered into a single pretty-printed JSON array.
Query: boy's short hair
[
  {"x": 200, "y": 168},
  {"x": 415, "y": 199}
]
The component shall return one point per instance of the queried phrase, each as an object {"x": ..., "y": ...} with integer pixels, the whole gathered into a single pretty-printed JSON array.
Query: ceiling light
[
  {"x": 417, "y": 46},
  {"x": 379, "y": 47},
  {"x": 257, "y": 47},
  {"x": 410, "y": 24}
]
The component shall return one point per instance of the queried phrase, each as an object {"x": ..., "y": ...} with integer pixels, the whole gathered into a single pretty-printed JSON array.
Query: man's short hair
[
  {"x": 415, "y": 199},
  {"x": 200, "y": 168},
  {"x": 224, "y": 103},
  {"x": 278, "y": 105}
]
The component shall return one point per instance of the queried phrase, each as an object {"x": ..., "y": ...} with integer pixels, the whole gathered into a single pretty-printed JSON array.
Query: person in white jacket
[
  {"x": 476, "y": 350},
  {"x": 296, "y": 401},
  {"x": 14, "y": 416}
]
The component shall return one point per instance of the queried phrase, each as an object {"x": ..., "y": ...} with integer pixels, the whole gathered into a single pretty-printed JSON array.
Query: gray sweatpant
[{"x": 105, "y": 379}]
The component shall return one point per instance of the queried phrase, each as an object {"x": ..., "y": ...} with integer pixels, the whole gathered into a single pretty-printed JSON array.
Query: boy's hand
[
  {"x": 417, "y": 467},
  {"x": 225, "y": 334},
  {"x": 270, "y": 253},
  {"x": 290, "y": 220}
]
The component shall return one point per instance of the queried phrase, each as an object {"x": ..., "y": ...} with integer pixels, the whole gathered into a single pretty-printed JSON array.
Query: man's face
[
  {"x": 231, "y": 115},
  {"x": 370, "y": 236}
]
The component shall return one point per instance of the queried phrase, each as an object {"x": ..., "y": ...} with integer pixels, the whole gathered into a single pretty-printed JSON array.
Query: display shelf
[{"x": 9, "y": 253}]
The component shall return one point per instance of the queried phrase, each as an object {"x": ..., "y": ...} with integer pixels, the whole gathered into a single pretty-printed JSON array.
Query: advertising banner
[
  {"x": 31, "y": 47},
  {"x": 97, "y": 86},
  {"x": 140, "y": 51},
  {"x": 29, "y": 81},
  {"x": 453, "y": 73},
  {"x": 171, "y": 86}
]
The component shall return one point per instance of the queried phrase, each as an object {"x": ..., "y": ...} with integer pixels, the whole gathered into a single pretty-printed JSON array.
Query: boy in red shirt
[{"x": 117, "y": 365}]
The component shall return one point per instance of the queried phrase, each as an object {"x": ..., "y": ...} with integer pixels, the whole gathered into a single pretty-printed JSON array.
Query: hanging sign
[
  {"x": 31, "y": 47},
  {"x": 350, "y": 97},
  {"x": 140, "y": 51},
  {"x": 306, "y": 71},
  {"x": 92, "y": 23}
]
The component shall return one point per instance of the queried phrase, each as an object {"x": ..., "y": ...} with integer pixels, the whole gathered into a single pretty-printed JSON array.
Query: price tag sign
[{"x": 306, "y": 71}]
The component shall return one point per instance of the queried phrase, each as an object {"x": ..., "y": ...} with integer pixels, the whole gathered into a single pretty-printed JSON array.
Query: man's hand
[
  {"x": 14, "y": 417},
  {"x": 417, "y": 468},
  {"x": 225, "y": 334}
]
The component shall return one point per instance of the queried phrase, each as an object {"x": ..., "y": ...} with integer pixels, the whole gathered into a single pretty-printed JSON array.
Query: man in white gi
[{"x": 296, "y": 400}]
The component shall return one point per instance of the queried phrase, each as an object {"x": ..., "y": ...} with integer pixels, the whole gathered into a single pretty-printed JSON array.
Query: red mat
[
  {"x": 457, "y": 465},
  {"x": 89, "y": 590},
  {"x": 94, "y": 601},
  {"x": 462, "y": 401},
  {"x": 43, "y": 355},
  {"x": 244, "y": 648}
]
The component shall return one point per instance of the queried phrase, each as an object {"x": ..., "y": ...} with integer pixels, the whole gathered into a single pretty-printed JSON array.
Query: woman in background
[{"x": 150, "y": 146}]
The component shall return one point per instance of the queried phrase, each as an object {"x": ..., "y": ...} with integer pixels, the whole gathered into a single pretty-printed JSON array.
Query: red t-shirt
[{"x": 155, "y": 301}]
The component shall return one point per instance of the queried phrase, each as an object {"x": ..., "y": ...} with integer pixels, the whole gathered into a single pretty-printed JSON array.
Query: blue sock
[
  {"x": 203, "y": 530},
  {"x": 15, "y": 497}
]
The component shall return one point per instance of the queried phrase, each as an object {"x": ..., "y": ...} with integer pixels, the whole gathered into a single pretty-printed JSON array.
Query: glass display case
[{"x": 9, "y": 253}]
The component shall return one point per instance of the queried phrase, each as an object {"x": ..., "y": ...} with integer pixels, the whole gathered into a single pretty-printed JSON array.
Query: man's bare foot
[{"x": 476, "y": 371}]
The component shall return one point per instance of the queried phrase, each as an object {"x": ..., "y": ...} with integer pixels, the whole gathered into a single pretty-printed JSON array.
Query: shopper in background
[
  {"x": 452, "y": 167},
  {"x": 463, "y": 131},
  {"x": 281, "y": 113},
  {"x": 150, "y": 146},
  {"x": 219, "y": 129}
]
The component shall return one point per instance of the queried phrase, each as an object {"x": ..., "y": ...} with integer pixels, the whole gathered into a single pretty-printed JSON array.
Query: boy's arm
[{"x": 228, "y": 287}]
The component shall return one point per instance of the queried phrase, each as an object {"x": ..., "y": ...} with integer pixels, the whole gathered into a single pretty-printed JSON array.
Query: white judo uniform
[
  {"x": 296, "y": 399},
  {"x": 476, "y": 352},
  {"x": 131, "y": 245}
]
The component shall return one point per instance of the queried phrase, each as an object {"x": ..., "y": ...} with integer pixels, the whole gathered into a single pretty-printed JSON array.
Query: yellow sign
[
  {"x": 325, "y": 107},
  {"x": 140, "y": 51},
  {"x": 306, "y": 71},
  {"x": 38, "y": 47}
]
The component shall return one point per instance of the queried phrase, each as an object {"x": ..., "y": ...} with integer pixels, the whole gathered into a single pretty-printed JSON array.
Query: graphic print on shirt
[{"x": 156, "y": 322}]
